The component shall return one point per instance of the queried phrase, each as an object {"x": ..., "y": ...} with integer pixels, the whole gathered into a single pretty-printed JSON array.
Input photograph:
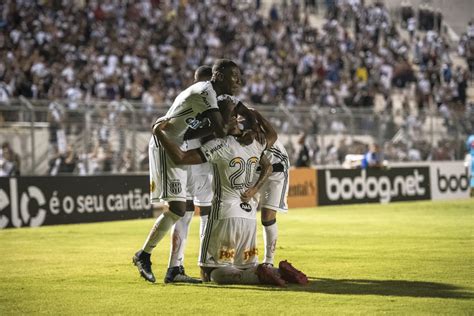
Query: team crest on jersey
[
  {"x": 175, "y": 187},
  {"x": 246, "y": 207}
]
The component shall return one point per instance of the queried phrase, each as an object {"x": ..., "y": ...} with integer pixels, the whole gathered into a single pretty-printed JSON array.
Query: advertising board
[{"x": 38, "y": 201}]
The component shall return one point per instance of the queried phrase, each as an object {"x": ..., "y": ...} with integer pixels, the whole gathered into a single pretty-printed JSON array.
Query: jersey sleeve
[
  {"x": 268, "y": 153},
  {"x": 215, "y": 149},
  {"x": 207, "y": 99}
]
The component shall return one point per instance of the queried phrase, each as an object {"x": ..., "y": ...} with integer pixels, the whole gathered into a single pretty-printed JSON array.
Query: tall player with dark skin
[{"x": 225, "y": 80}]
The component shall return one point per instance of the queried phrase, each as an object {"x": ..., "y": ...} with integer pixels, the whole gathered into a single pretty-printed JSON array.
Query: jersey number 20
[{"x": 242, "y": 177}]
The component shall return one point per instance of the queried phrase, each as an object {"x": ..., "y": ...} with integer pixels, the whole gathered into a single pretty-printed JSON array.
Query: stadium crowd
[{"x": 146, "y": 51}]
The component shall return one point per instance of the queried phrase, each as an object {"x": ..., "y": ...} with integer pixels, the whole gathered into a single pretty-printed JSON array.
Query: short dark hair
[
  {"x": 221, "y": 64},
  {"x": 203, "y": 73}
]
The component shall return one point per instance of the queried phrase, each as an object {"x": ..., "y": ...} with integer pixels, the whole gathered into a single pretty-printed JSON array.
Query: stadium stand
[{"x": 88, "y": 69}]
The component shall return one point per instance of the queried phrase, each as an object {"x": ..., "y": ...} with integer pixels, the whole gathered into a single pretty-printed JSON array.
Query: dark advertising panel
[
  {"x": 347, "y": 186},
  {"x": 39, "y": 201}
]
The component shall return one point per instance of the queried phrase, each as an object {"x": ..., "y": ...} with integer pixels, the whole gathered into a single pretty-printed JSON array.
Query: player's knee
[
  {"x": 177, "y": 208},
  {"x": 268, "y": 216}
]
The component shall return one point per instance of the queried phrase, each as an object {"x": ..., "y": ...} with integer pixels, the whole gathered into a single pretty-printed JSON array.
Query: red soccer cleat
[
  {"x": 290, "y": 274},
  {"x": 268, "y": 275}
]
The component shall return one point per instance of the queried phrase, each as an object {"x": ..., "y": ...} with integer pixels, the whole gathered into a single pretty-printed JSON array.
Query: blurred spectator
[
  {"x": 126, "y": 162},
  {"x": 9, "y": 161},
  {"x": 372, "y": 157},
  {"x": 303, "y": 159},
  {"x": 56, "y": 119},
  {"x": 470, "y": 150},
  {"x": 143, "y": 160},
  {"x": 63, "y": 163}
]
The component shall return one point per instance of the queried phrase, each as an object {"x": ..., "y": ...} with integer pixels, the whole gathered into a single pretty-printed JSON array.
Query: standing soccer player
[
  {"x": 274, "y": 197},
  {"x": 199, "y": 193},
  {"x": 168, "y": 181}
]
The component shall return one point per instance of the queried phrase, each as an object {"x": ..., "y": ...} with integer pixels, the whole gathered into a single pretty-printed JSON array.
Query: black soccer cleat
[
  {"x": 143, "y": 263},
  {"x": 177, "y": 275}
]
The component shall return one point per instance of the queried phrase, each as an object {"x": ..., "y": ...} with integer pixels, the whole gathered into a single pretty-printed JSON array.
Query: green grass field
[{"x": 402, "y": 258}]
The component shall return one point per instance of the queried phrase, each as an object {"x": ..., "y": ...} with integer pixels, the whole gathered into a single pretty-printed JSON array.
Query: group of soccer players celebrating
[{"x": 212, "y": 151}]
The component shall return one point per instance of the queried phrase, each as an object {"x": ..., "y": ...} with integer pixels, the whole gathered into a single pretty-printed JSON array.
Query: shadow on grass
[
  {"x": 402, "y": 288},
  {"x": 387, "y": 288}
]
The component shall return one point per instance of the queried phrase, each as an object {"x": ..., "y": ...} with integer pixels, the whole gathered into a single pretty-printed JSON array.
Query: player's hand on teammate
[
  {"x": 161, "y": 123},
  {"x": 233, "y": 125},
  {"x": 260, "y": 136},
  {"x": 248, "y": 195}
]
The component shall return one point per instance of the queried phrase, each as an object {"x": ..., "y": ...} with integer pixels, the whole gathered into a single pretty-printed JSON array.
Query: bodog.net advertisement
[
  {"x": 348, "y": 186},
  {"x": 303, "y": 190},
  {"x": 449, "y": 180},
  {"x": 39, "y": 201}
]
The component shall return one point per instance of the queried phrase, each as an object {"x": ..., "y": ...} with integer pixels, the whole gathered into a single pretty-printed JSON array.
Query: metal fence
[{"x": 112, "y": 137}]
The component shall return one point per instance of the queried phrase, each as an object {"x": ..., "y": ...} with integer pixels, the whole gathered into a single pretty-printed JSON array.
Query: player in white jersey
[
  {"x": 192, "y": 108},
  {"x": 228, "y": 251},
  {"x": 274, "y": 197},
  {"x": 274, "y": 193},
  {"x": 199, "y": 193}
]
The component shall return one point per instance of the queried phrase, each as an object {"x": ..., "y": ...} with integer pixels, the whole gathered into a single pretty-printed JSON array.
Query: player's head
[
  {"x": 246, "y": 137},
  {"x": 227, "y": 109},
  {"x": 226, "y": 77},
  {"x": 203, "y": 73},
  {"x": 237, "y": 127}
]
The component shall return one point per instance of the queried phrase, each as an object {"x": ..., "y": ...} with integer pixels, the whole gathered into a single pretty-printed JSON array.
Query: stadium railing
[{"x": 100, "y": 132}]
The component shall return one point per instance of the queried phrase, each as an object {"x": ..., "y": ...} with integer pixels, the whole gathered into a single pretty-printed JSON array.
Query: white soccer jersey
[
  {"x": 274, "y": 192},
  {"x": 234, "y": 169},
  {"x": 187, "y": 109},
  {"x": 277, "y": 154}
]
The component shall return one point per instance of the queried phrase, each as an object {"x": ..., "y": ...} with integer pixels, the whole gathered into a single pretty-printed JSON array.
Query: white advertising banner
[{"x": 449, "y": 180}]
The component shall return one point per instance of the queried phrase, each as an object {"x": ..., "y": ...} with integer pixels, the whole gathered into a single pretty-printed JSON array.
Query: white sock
[
  {"x": 162, "y": 225},
  {"x": 232, "y": 275},
  {"x": 270, "y": 235},
  {"x": 179, "y": 235},
  {"x": 202, "y": 227}
]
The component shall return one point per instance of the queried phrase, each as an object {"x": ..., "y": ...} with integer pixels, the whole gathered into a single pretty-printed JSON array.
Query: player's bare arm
[
  {"x": 190, "y": 157},
  {"x": 270, "y": 133},
  {"x": 265, "y": 172},
  {"x": 217, "y": 124},
  {"x": 198, "y": 133},
  {"x": 248, "y": 114}
]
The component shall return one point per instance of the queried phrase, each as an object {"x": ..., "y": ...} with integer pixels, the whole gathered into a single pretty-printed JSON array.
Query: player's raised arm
[
  {"x": 270, "y": 133},
  {"x": 266, "y": 171},
  {"x": 248, "y": 114},
  {"x": 217, "y": 124},
  {"x": 190, "y": 157}
]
